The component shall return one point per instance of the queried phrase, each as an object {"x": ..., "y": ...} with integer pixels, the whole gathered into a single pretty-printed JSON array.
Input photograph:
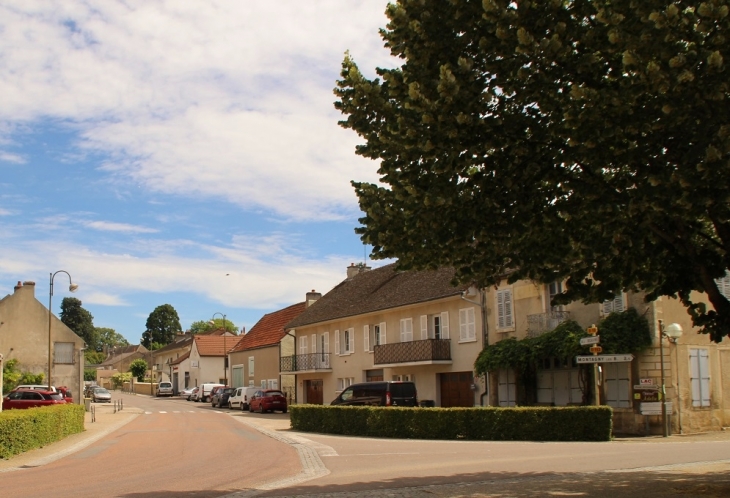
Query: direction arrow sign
[
  {"x": 590, "y": 340},
  {"x": 608, "y": 358}
]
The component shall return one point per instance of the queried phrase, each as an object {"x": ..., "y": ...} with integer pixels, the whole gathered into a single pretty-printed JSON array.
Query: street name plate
[
  {"x": 606, "y": 358},
  {"x": 590, "y": 340}
]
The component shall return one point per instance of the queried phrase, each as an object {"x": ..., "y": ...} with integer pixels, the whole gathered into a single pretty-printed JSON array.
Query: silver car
[
  {"x": 164, "y": 389},
  {"x": 101, "y": 395}
]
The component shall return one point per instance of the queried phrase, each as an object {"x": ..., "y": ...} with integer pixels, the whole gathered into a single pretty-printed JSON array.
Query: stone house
[
  {"x": 24, "y": 331},
  {"x": 385, "y": 324}
]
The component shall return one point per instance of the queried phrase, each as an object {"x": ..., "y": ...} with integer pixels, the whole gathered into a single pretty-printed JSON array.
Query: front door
[
  {"x": 456, "y": 389},
  {"x": 175, "y": 389},
  {"x": 314, "y": 392}
]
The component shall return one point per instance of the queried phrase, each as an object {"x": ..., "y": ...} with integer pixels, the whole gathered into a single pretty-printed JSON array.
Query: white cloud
[
  {"x": 5, "y": 212},
  {"x": 109, "y": 226},
  {"x": 103, "y": 299},
  {"x": 188, "y": 97},
  {"x": 8, "y": 157}
]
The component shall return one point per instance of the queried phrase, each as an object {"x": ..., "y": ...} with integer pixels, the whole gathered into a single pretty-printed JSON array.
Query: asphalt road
[{"x": 178, "y": 448}]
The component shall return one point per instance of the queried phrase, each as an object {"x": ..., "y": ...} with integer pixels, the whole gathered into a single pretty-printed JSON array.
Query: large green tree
[
  {"x": 110, "y": 338},
  {"x": 138, "y": 368},
  {"x": 162, "y": 325},
  {"x": 79, "y": 320},
  {"x": 586, "y": 140},
  {"x": 202, "y": 326}
]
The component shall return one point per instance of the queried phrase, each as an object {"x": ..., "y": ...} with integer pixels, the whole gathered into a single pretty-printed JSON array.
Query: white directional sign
[
  {"x": 606, "y": 358},
  {"x": 590, "y": 340}
]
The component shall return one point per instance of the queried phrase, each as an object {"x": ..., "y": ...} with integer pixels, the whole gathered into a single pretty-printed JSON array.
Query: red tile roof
[
  {"x": 213, "y": 345},
  {"x": 181, "y": 359},
  {"x": 270, "y": 329}
]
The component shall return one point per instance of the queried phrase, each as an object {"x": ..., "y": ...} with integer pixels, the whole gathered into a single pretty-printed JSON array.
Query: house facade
[
  {"x": 696, "y": 370},
  {"x": 206, "y": 360},
  {"x": 385, "y": 324},
  {"x": 255, "y": 359},
  {"x": 166, "y": 362},
  {"x": 24, "y": 336}
]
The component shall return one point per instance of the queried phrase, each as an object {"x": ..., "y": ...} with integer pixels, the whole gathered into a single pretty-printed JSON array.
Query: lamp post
[
  {"x": 225, "y": 356},
  {"x": 672, "y": 332},
  {"x": 72, "y": 288}
]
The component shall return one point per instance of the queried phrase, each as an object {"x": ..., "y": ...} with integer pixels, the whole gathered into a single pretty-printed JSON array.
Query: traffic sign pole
[{"x": 593, "y": 330}]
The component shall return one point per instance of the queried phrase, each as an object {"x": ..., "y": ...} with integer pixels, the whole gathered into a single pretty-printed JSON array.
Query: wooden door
[
  {"x": 314, "y": 392},
  {"x": 456, "y": 389}
]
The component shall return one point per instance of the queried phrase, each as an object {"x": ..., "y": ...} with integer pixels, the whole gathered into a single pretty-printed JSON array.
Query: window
[
  {"x": 376, "y": 335},
  {"x": 507, "y": 388},
  {"x": 273, "y": 384},
  {"x": 324, "y": 349},
  {"x": 63, "y": 352},
  {"x": 504, "y": 309},
  {"x": 554, "y": 289},
  {"x": 250, "y": 366},
  {"x": 615, "y": 305},
  {"x": 435, "y": 326},
  {"x": 617, "y": 381},
  {"x": 303, "y": 345},
  {"x": 699, "y": 376},
  {"x": 467, "y": 327},
  {"x": 406, "y": 330},
  {"x": 723, "y": 284},
  {"x": 344, "y": 383},
  {"x": 345, "y": 341},
  {"x": 404, "y": 378}
]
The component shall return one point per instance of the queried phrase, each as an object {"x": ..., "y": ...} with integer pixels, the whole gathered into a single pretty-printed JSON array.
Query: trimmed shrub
[
  {"x": 579, "y": 423},
  {"x": 23, "y": 430}
]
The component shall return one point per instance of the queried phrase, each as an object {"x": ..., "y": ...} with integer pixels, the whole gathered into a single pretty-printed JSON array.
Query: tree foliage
[
  {"x": 162, "y": 325},
  {"x": 118, "y": 379},
  {"x": 93, "y": 357},
  {"x": 110, "y": 338},
  {"x": 89, "y": 374},
  {"x": 203, "y": 326},
  {"x": 138, "y": 369},
  {"x": 586, "y": 140},
  {"x": 79, "y": 320},
  {"x": 13, "y": 376}
]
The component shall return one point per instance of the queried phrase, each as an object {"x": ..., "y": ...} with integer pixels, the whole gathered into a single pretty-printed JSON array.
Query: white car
[
  {"x": 235, "y": 400},
  {"x": 185, "y": 393}
]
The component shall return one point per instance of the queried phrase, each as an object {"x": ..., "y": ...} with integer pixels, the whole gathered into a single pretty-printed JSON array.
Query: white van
[
  {"x": 204, "y": 392},
  {"x": 246, "y": 394}
]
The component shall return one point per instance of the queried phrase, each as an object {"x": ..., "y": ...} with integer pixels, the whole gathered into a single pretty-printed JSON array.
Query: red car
[
  {"x": 267, "y": 400},
  {"x": 31, "y": 398}
]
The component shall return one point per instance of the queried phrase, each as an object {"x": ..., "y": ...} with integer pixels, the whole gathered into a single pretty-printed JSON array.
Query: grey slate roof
[{"x": 379, "y": 289}]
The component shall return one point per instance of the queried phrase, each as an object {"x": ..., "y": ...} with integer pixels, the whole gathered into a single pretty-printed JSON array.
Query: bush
[
  {"x": 23, "y": 430},
  {"x": 579, "y": 423}
]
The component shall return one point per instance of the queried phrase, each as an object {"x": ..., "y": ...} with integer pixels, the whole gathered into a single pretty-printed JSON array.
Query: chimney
[
  {"x": 312, "y": 298},
  {"x": 354, "y": 269},
  {"x": 19, "y": 285}
]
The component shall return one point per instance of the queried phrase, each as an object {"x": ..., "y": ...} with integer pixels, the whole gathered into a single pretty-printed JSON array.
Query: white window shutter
[
  {"x": 424, "y": 327},
  {"x": 508, "y": 322},
  {"x": 444, "y": 325},
  {"x": 500, "y": 311},
  {"x": 366, "y": 337},
  {"x": 382, "y": 333},
  {"x": 352, "y": 340},
  {"x": 470, "y": 324},
  {"x": 704, "y": 369},
  {"x": 326, "y": 336},
  {"x": 314, "y": 343},
  {"x": 462, "y": 324},
  {"x": 337, "y": 342}
]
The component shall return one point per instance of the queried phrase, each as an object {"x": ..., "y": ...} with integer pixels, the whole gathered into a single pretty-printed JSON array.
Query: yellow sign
[
  {"x": 596, "y": 349},
  {"x": 593, "y": 330}
]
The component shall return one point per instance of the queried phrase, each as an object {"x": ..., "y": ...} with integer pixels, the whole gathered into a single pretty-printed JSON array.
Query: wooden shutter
[
  {"x": 424, "y": 327},
  {"x": 366, "y": 337},
  {"x": 314, "y": 343},
  {"x": 382, "y": 333},
  {"x": 699, "y": 361},
  {"x": 352, "y": 340},
  {"x": 445, "y": 325},
  {"x": 337, "y": 342}
]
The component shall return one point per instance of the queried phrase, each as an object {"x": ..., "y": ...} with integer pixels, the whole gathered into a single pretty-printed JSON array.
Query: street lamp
[
  {"x": 672, "y": 332},
  {"x": 72, "y": 288},
  {"x": 225, "y": 356}
]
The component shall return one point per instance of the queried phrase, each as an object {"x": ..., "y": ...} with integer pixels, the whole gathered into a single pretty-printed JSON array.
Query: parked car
[
  {"x": 37, "y": 387},
  {"x": 90, "y": 391},
  {"x": 204, "y": 392},
  {"x": 194, "y": 395},
  {"x": 267, "y": 400},
  {"x": 379, "y": 394},
  {"x": 248, "y": 392},
  {"x": 221, "y": 396},
  {"x": 185, "y": 393},
  {"x": 66, "y": 392},
  {"x": 234, "y": 400},
  {"x": 164, "y": 389},
  {"x": 101, "y": 395},
  {"x": 19, "y": 399}
]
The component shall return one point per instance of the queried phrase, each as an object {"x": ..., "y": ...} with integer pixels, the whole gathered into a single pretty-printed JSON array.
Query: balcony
[
  {"x": 540, "y": 323},
  {"x": 429, "y": 351},
  {"x": 305, "y": 362}
]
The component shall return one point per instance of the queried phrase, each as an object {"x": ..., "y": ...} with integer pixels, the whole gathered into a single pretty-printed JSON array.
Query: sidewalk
[{"x": 106, "y": 422}]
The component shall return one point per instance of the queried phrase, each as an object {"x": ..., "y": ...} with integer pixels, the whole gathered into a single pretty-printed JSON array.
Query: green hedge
[
  {"x": 23, "y": 430},
  {"x": 579, "y": 423}
]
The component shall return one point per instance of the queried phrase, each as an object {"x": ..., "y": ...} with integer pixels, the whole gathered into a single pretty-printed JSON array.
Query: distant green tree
[
  {"x": 93, "y": 357},
  {"x": 138, "y": 368},
  {"x": 79, "y": 320},
  {"x": 162, "y": 325},
  {"x": 118, "y": 379},
  {"x": 203, "y": 326},
  {"x": 156, "y": 345},
  {"x": 12, "y": 375},
  {"x": 89, "y": 374},
  {"x": 110, "y": 338}
]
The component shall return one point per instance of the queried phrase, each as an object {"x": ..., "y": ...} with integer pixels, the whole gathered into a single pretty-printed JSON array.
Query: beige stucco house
[
  {"x": 696, "y": 371},
  {"x": 255, "y": 359},
  {"x": 206, "y": 360},
  {"x": 24, "y": 336},
  {"x": 385, "y": 324}
]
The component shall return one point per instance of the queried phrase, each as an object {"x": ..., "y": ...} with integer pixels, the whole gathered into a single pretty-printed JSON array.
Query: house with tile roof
[
  {"x": 385, "y": 324},
  {"x": 207, "y": 358},
  {"x": 165, "y": 366},
  {"x": 255, "y": 359}
]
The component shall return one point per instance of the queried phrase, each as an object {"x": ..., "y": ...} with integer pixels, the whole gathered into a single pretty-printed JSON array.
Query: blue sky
[{"x": 182, "y": 153}]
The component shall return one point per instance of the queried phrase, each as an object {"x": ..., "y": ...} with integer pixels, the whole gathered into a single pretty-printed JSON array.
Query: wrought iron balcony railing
[
  {"x": 305, "y": 362},
  {"x": 413, "y": 351},
  {"x": 540, "y": 323}
]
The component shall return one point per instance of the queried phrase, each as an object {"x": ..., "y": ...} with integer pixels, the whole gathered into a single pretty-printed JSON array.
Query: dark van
[{"x": 379, "y": 394}]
